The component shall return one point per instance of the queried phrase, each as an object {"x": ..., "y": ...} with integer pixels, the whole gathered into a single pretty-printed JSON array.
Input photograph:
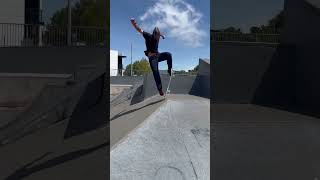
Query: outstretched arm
[{"x": 134, "y": 24}]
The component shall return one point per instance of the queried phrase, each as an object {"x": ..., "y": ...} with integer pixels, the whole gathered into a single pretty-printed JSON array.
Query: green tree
[
  {"x": 273, "y": 26},
  {"x": 138, "y": 68},
  {"x": 194, "y": 70},
  {"x": 84, "y": 13},
  {"x": 277, "y": 22},
  {"x": 232, "y": 30},
  {"x": 180, "y": 72}
]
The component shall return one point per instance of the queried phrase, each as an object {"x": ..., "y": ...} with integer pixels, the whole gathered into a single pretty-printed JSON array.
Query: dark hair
[{"x": 156, "y": 32}]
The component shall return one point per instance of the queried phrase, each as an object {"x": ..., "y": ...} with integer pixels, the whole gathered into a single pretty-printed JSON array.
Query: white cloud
[{"x": 178, "y": 19}]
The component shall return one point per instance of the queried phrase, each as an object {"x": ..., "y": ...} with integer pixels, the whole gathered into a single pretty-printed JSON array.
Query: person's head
[{"x": 156, "y": 33}]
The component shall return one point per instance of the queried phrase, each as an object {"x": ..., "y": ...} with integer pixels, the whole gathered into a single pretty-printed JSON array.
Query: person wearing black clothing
[{"x": 152, "y": 42}]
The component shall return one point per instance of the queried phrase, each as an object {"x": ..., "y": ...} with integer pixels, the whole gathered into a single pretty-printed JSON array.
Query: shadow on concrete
[
  {"x": 291, "y": 81},
  {"x": 26, "y": 170},
  {"x": 201, "y": 87},
  {"x": 91, "y": 111},
  {"x": 133, "y": 110},
  {"x": 137, "y": 96},
  {"x": 277, "y": 86},
  {"x": 312, "y": 8}
]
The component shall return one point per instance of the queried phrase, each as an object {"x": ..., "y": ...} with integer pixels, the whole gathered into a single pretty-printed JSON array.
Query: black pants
[{"x": 154, "y": 61}]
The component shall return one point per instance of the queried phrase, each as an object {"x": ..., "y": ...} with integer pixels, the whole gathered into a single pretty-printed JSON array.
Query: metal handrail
[
  {"x": 38, "y": 35},
  {"x": 246, "y": 37}
]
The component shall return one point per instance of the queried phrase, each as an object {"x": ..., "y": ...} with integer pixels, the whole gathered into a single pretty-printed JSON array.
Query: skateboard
[{"x": 168, "y": 88}]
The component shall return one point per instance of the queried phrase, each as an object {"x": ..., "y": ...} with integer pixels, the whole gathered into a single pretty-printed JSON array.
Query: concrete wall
[
  {"x": 202, "y": 85},
  {"x": 277, "y": 85},
  {"x": 293, "y": 79},
  {"x": 285, "y": 77},
  {"x": 129, "y": 80},
  {"x": 179, "y": 84},
  {"x": 81, "y": 96},
  {"x": 303, "y": 20},
  {"x": 51, "y": 60},
  {"x": 195, "y": 85},
  {"x": 11, "y": 11},
  {"x": 20, "y": 91},
  {"x": 237, "y": 70},
  {"x": 308, "y": 76},
  {"x": 301, "y": 23},
  {"x": 25, "y": 71}
]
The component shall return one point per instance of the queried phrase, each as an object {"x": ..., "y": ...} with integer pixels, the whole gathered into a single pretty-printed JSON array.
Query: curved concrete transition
[{"x": 172, "y": 143}]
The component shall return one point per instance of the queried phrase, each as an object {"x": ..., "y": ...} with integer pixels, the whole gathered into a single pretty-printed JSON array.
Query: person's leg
[
  {"x": 166, "y": 56},
  {"x": 154, "y": 67}
]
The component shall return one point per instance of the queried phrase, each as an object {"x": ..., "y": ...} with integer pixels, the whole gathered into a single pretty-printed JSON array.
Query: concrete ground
[
  {"x": 126, "y": 118},
  {"x": 116, "y": 89},
  {"x": 254, "y": 142},
  {"x": 168, "y": 140},
  {"x": 78, "y": 157}
]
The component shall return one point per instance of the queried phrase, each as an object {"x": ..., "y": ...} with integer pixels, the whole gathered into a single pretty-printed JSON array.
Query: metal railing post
[{"x": 69, "y": 23}]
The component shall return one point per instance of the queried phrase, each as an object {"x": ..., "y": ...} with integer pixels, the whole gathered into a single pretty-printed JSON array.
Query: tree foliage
[
  {"x": 84, "y": 13},
  {"x": 273, "y": 26},
  {"x": 139, "y": 68}
]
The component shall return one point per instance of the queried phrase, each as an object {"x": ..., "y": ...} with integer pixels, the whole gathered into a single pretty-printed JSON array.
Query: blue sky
[{"x": 185, "y": 23}]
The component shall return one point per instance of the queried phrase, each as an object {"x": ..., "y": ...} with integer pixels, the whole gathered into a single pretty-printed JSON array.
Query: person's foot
[
  {"x": 169, "y": 72},
  {"x": 161, "y": 92}
]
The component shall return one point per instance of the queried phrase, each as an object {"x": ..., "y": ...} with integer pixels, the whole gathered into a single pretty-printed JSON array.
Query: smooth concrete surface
[
  {"x": 299, "y": 16},
  {"x": 172, "y": 143},
  {"x": 54, "y": 60},
  {"x": 20, "y": 91},
  {"x": 57, "y": 111},
  {"x": 202, "y": 85},
  {"x": 129, "y": 117},
  {"x": 117, "y": 89},
  {"x": 253, "y": 142},
  {"x": 51, "y": 157}
]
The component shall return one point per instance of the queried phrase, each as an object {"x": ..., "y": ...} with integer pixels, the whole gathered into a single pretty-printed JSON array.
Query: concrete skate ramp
[
  {"x": 32, "y": 98},
  {"x": 130, "y": 80},
  {"x": 238, "y": 69},
  {"x": 21, "y": 91},
  {"x": 179, "y": 84},
  {"x": 143, "y": 89},
  {"x": 198, "y": 85},
  {"x": 291, "y": 80},
  {"x": 172, "y": 143},
  {"x": 62, "y": 60},
  {"x": 133, "y": 105},
  {"x": 284, "y": 76}
]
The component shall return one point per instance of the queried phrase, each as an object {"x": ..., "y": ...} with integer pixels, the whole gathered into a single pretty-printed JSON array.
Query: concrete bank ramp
[{"x": 173, "y": 143}]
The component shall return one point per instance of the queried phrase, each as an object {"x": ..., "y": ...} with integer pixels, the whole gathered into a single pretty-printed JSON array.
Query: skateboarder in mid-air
[{"x": 152, "y": 41}]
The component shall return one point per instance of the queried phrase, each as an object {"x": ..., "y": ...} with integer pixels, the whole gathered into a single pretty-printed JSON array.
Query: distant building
[
  {"x": 16, "y": 20},
  {"x": 116, "y": 65},
  {"x": 21, "y": 11}
]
